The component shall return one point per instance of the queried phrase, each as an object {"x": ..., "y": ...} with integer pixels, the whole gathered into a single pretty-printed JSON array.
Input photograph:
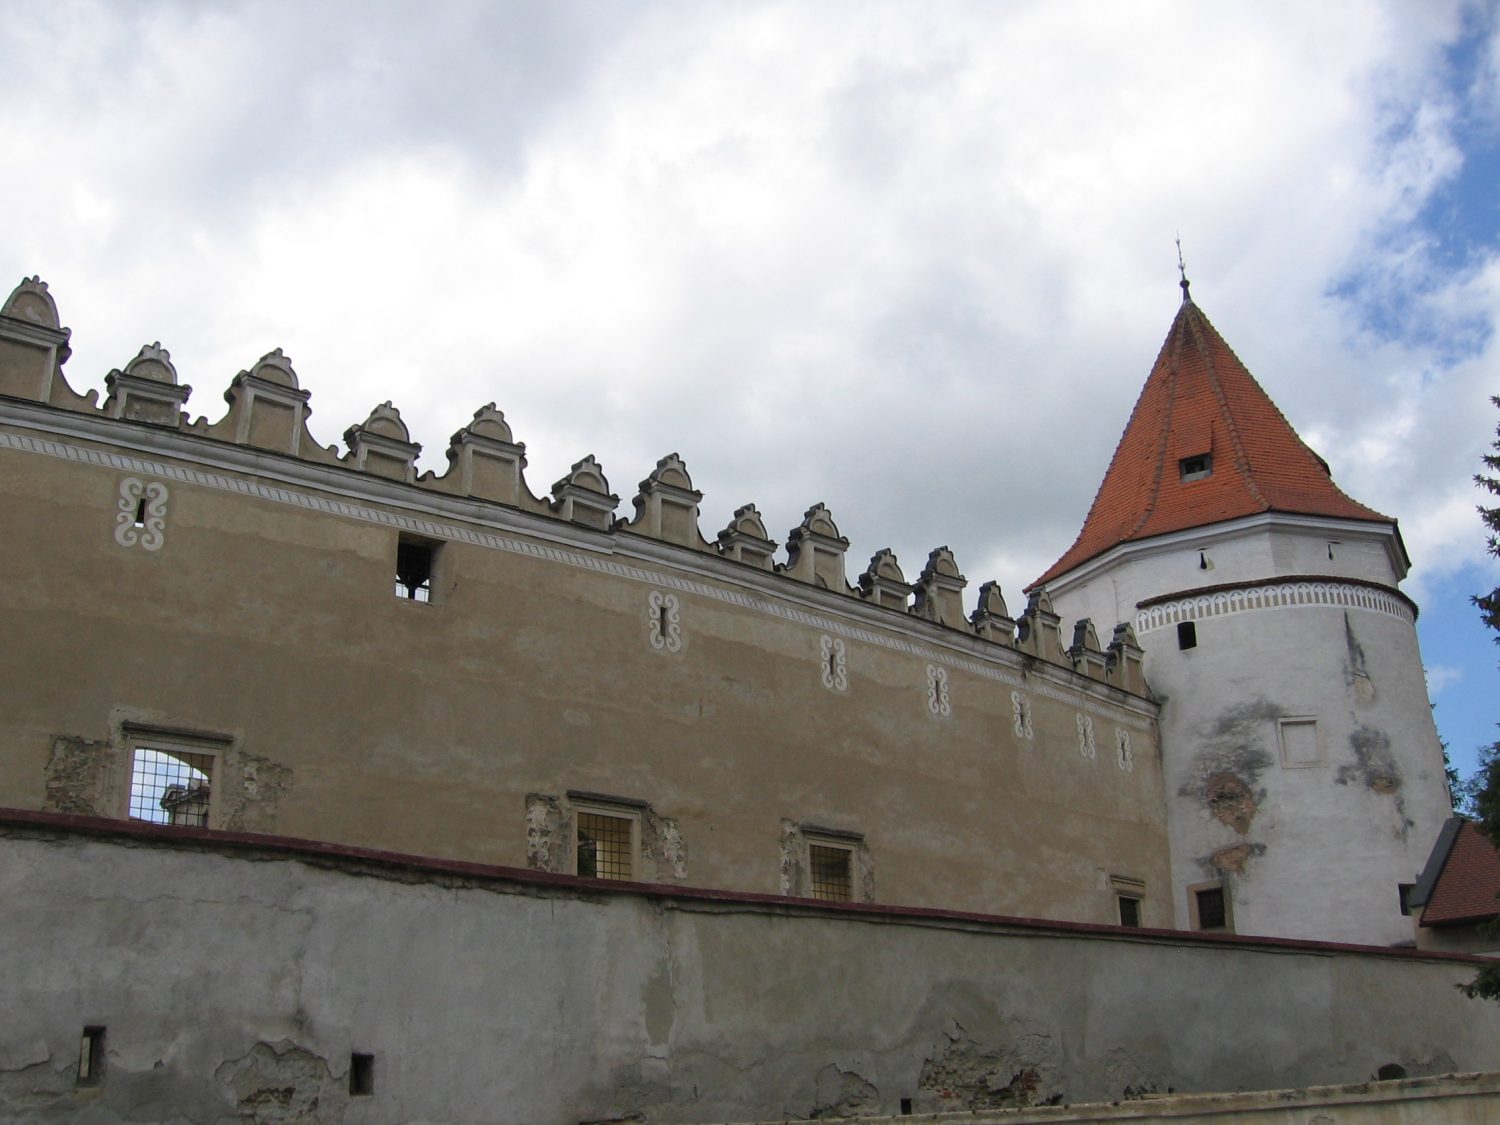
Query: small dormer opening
[{"x": 1196, "y": 467}]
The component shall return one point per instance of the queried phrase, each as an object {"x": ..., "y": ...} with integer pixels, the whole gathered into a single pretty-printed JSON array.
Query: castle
[{"x": 224, "y": 635}]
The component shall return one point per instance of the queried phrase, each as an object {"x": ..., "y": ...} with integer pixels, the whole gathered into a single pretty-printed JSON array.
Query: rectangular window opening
[
  {"x": 91, "y": 1057},
  {"x": 140, "y": 512},
  {"x": 170, "y": 786},
  {"x": 830, "y": 872},
  {"x": 606, "y": 845},
  {"x": 1196, "y": 467},
  {"x": 1213, "y": 910},
  {"x": 361, "y": 1075},
  {"x": 1403, "y": 895},
  {"x": 414, "y": 562},
  {"x": 1130, "y": 911},
  {"x": 905, "y": 1107},
  {"x": 1187, "y": 635}
]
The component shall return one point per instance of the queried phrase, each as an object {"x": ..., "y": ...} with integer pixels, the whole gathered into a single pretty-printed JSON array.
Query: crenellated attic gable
[{"x": 268, "y": 411}]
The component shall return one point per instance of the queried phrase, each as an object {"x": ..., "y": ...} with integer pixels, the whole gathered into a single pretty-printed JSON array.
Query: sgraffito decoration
[
  {"x": 835, "y": 656},
  {"x": 937, "y": 691},
  {"x": 1086, "y": 745},
  {"x": 142, "y": 518},
  {"x": 1020, "y": 709},
  {"x": 663, "y": 622}
]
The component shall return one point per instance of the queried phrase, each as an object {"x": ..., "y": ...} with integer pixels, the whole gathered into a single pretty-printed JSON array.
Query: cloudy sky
[{"x": 913, "y": 261}]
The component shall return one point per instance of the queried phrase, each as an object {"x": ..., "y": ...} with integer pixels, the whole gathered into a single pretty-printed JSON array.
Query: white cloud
[
  {"x": 912, "y": 263},
  {"x": 1440, "y": 676}
]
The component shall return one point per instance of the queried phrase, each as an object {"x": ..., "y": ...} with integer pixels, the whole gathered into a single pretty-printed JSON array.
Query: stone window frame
[
  {"x": 850, "y": 844},
  {"x": 173, "y": 742},
  {"x": 1281, "y": 746},
  {"x": 614, "y": 808}
]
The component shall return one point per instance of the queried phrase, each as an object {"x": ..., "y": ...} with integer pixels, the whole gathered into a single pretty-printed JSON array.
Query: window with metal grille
[
  {"x": 1212, "y": 911},
  {"x": 606, "y": 846},
  {"x": 170, "y": 786},
  {"x": 830, "y": 872},
  {"x": 414, "y": 561},
  {"x": 1130, "y": 911}
]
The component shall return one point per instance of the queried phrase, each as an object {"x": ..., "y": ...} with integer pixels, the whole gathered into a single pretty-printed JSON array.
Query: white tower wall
[{"x": 1302, "y": 768}]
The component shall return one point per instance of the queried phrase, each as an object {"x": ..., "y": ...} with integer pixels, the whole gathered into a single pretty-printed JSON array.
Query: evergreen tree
[{"x": 1485, "y": 792}]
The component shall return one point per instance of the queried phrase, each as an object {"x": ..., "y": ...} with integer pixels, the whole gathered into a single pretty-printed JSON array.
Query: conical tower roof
[{"x": 1204, "y": 444}]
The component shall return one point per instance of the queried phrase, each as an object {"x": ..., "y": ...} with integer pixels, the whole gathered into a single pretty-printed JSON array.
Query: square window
[
  {"x": 414, "y": 567},
  {"x": 1210, "y": 907},
  {"x": 170, "y": 785},
  {"x": 1299, "y": 742},
  {"x": 830, "y": 869},
  {"x": 1196, "y": 467},
  {"x": 607, "y": 843}
]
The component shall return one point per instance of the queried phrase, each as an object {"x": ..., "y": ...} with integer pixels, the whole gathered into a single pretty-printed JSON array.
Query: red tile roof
[
  {"x": 1200, "y": 399},
  {"x": 1468, "y": 887}
]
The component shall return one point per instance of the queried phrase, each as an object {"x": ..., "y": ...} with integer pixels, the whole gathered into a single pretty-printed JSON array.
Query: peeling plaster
[
  {"x": 547, "y": 845},
  {"x": 281, "y": 1082},
  {"x": 843, "y": 1093},
  {"x": 78, "y": 776},
  {"x": 972, "y": 1077},
  {"x": 252, "y": 804},
  {"x": 1223, "y": 774}
]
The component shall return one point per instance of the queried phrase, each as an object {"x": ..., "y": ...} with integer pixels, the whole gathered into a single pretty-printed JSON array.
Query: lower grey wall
[{"x": 236, "y": 984}]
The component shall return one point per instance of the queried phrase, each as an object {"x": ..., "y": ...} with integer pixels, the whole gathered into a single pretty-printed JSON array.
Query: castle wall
[
  {"x": 227, "y": 589},
  {"x": 238, "y": 977},
  {"x": 1303, "y": 769}
]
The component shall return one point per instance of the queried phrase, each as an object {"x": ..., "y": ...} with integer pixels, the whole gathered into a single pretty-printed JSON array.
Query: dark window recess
[
  {"x": 1211, "y": 913},
  {"x": 361, "y": 1075},
  {"x": 140, "y": 512},
  {"x": 1187, "y": 634},
  {"x": 905, "y": 1107},
  {"x": 414, "y": 570},
  {"x": 1196, "y": 468},
  {"x": 1403, "y": 892},
  {"x": 1130, "y": 911},
  {"x": 91, "y": 1057},
  {"x": 831, "y": 873}
]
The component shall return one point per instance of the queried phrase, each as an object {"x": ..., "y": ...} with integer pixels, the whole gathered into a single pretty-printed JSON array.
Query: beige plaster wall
[{"x": 266, "y": 622}]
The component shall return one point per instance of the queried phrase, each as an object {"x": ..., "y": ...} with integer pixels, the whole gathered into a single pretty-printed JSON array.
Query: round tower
[{"x": 1305, "y": 781}]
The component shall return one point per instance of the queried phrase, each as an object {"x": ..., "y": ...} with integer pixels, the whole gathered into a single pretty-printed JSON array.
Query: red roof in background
[
  {"x": 1199, "y": 398},
  {"x": 1468, "y": 887}
]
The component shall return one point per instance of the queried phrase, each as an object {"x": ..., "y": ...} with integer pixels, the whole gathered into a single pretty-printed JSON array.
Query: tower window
[
  {"x": 1211, "y": 908},
  {"x": 1130, "y": 911},
  {"x": 1403, "y": 896},
  {"x": 1187, "y": 635},
  {"x": 1196, "y": 467}
]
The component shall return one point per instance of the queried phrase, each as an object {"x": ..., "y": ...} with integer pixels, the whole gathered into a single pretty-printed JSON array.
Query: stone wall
[{"x": 235, "y": 975}]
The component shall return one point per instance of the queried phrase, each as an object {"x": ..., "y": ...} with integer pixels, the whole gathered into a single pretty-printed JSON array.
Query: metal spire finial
[{"x": 1182, "y": 272}]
